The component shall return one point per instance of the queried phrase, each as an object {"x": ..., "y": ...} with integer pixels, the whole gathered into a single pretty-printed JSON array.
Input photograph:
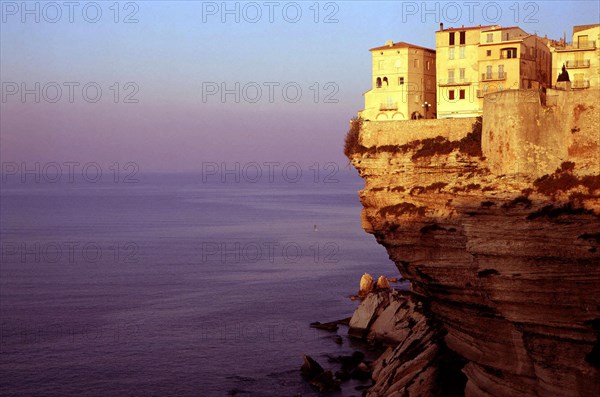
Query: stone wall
[
  {"x": 520, "y": 136},
  {"x": 382, "y": 133}
]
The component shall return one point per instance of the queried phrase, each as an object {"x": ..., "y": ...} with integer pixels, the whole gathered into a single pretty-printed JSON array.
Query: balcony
[
  {"x": 388, "y": 106},
  {"x": 580, "y": 84},
  {"x": 589, "y": 45},
  {"x": 578, "y": 64},
  {"x": 493, "y": 76},
  {"x": 453, "y": 82}
]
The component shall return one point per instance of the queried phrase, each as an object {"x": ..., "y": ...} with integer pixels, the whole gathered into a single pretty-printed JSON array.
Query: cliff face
[{"x": 508, "y": 265}]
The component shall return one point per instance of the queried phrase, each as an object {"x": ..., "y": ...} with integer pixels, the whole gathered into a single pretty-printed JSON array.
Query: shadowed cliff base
[{"x": 501, "y": 244}]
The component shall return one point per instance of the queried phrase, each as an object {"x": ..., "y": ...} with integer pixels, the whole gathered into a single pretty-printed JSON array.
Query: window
[
  {"x": 416, "y": 63},
  {"x": 490, "y": 38},
  {"x": 463, "y": 37},
  {"x": 461, "y": 73},
  {"x": 488, "y": 53},
  {"x": 428, "y": 65},
  {"x": 582, "y": 41},
  {"x": 400, "y": 80},
  {"x": 451, "y": 94},
  {"x": 380, "y": 65},
  {"x": 461, "y": 94},
  {"x": 500, "y": 71},
  {"x": 398, "y": 63},
  {"x": 451, "y": 38},
  {"x": 378, "y": 82},
  {"x": 417, "y": 98},
  {"x": 451, "y": 53},
  {"x": 508, "y": 53},
  {"x": 385, "y": 80},
  {"x": 488, "y": 72},
  {"x": 462, "y": 52},
  {"x": 450, "y": 76}
]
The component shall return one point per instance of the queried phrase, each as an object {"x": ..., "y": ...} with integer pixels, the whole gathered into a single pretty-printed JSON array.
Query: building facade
[
  {"x": 403, "y": 83},
  {"x": 581, "y": 57},
  {"x": 475, "y": 61}
]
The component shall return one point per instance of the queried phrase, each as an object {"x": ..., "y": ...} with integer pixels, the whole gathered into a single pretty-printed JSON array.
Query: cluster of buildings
[{"x": 412, "y": 82}]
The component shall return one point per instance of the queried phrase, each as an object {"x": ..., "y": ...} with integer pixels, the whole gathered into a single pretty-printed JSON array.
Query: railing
[
  {"x": 590, "y": 45},
  {"x": 580, "y": 84},
  {"x": 582, "y": 63},
  {"x": 451, "y": 82},
  {"x": 493, "y": 76},
  {"x": 388, "y": 106}
]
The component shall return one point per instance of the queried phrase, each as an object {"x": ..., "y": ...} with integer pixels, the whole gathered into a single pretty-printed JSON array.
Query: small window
[
  {"x": 451, "y": 94},
  {"x": 461, "y": 94},
  {"x": 490, "y": 38},
  {"x": 450, "y": 76},
  {"x": 400, "y": 80},
  {"x": 462, "y": 53},
  {"x": 463, "y": 37},
  {"x": 416, "y": 63},
  {"x": 380, "y": 65},
  {"x": 428, "y": 65},
  {"x": 451, "y": 38},
  {"x": 385, "y": 80},
  {"x": 488, "y": 53},
  {"x": 378, "y": 82},
  {"x": 461, "y": 72},
  {"x": 451, "y": 53}
]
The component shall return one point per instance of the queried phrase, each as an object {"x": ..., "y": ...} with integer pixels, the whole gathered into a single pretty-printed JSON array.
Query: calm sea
[{"x": 176, "y": 285}]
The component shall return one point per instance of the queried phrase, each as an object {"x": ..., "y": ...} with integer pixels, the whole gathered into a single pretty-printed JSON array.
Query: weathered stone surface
[
  {"x": 509, "y": 265},
  {"x": 367, "y": 312}
]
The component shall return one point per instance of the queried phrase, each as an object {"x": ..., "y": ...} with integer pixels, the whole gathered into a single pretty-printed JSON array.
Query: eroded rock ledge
[{"x": 508, "y": 266}]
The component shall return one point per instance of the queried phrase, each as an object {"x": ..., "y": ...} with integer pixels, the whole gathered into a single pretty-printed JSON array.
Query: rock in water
[
  {"x": 366, "y": 285},
  {"x": 382, "y": 282},
  {"x": 310, "y": 368}
]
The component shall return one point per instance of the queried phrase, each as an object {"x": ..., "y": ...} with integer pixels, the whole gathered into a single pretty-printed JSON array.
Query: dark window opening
[
  {"x": 451, "y": 38},
  {"x": 451, "y": 94},
  {"x": 463, "y": 37},
  {"x": 461, "y": 94},
  {"x": 378, "y": 82},
  {"x": 385, "y": 80}
]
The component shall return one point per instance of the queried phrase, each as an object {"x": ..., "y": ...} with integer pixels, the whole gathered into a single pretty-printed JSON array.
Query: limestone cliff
[{"x": 507, "y": 262}]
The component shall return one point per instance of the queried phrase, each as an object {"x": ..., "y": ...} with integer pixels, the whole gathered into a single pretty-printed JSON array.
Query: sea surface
[{"x": 176, "y": 284}]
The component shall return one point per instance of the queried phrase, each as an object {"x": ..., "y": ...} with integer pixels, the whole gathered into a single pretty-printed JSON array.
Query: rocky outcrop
[{"x": 507, "y": 265}]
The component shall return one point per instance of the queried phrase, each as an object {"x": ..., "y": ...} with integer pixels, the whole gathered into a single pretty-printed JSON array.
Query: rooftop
[
  {"x": 400, "y": 44},
  {"x": 579, "y": 28}
]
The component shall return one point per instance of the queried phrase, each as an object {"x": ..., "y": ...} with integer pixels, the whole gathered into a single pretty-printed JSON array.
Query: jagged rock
[
  {"x": 331, "y": 326},
  {"x": 367, "y": 312},
  {"x": 325, "y": 382},
  {"x": 310, "y": 368},
  {"x": 383, "y": 283}
]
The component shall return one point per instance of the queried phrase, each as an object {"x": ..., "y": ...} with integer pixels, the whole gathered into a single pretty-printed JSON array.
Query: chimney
[
  {"x": 441, "y": 26},
  {"x": 389, "y": 43}
]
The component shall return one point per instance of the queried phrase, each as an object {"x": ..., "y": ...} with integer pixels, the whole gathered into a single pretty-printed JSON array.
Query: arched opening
[
  {"x": 381, "y": 116},
  {"x": 416, "y": 115},
  {"x": 385, "y": 80},
  {"x": 378, "y": 82},
  {"x": 398, "y": 116}
]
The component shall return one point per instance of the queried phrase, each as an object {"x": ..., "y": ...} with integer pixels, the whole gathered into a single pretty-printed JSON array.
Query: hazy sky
[{"x": 166, "y": 70}]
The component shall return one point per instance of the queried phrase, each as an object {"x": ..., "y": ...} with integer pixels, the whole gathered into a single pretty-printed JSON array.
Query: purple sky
[{"x": 170, "y": 54}]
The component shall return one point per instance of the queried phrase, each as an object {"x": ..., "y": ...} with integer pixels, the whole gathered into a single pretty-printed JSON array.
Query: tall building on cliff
[
  {"x": 475, "y": 61},
  {"x": 403, "y": 83},
  {"x": 581, "y": 57}
]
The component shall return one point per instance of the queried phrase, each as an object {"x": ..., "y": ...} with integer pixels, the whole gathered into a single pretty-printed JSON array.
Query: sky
[{"x": 172, "y": 85}]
